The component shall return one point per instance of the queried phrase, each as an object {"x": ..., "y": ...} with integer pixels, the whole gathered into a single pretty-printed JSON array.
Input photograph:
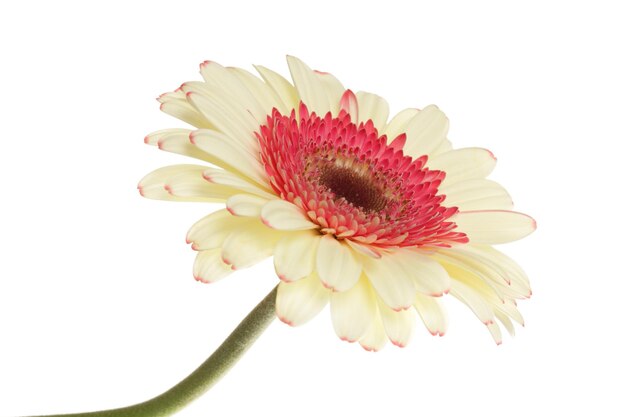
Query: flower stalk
[{"x": 206, "y": 375}]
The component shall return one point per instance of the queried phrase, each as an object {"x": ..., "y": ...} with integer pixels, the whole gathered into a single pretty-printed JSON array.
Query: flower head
[{"x": 378, "y": 218}]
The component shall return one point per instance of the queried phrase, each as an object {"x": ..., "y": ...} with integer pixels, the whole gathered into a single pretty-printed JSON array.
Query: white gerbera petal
[
  {"x": 473, "y": 300},
  {"x": 295, "y": 255},
  {"x": 399, "y": 325},
  {"x": 432, "y": 314},
  {"x": 228, "y": 86},
  {"x": 372, "y": 107},
  {"x": 298, "y": 302},
  {"x": 209, "y": 266},
  {"x": 398, "y": 124},
  {"x": 494, "y": 226},
  {"x": 392, "y": 281},
  {"x": 480, "y": 194},
  {"x": 211, "y": 231},
  {"x": 182, "y": 183},
  {"x": 282, "y": 215},
  {"x": 333, "y": 89},
  {"x": 234, "y": 181},
  {"x": 375, "y": 338},
  {"x": 425, "y": 131},
  {"x": 463, "y": 164},
  {"x": 353, "y": 311},
  {"x": 336, "y": 264},
  {"x": 282, "y": 88},
  {"x": 245, "y": 247},
  {"x": 310, "y": 88},
  {"x": 245, "y": 205},
  {"x": 175, "y": 104}
]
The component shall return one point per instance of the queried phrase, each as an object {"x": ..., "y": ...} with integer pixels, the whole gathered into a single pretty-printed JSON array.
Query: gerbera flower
[{"x": 378, "y": 218}]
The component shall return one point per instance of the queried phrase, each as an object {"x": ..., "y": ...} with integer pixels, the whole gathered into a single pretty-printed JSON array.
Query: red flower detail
[{"x": 353, "y": 184}]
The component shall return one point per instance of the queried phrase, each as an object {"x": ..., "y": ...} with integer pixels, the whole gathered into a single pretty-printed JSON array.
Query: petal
[
  {"x": 263, "y": 93},
  {"x": 432, "y": 313},
  {"x": 336, "y": 264},
  {"x": 298, "y": 302},
  {"x": 349, "y": 104},
  {"x": 399, "y": 325},
  {"x": 494, "y": 329},
  {"x": 175, "y": 104},
  {"x": 310, "y": 88},
  {"x": 333, "y": 88},
  {"x": 284, "y": 90},
  {"x": 392, "y": 281},
  {"x": 463, "y": 164},
  {"x": 398, "y": 124},
  {"x": 429, "y": 276},
  {"x": 245, "y": 205},
  {"x": 211, "y": 231},
  {"x": 232, "y": 180},
  {"x": 479, "y": 194},
  {"x": 282, "y": 215},
  {"x": 375, "y": 337},
  {"x": 228, "y": 118},
  {"x": 473, "y": 300},
  {"x": 227, "y": 85},
  {"x": 494, "y": 226},
  {"x": 295, "y": 254},
  {"x": 425, "y": 131},
  {"x": 353, "y": 311},
  {"x": 209, "y": 266},
  {"x": 374, "y": 108},
  {"x": 182, "y": 183},
  {"x": 245, "y": 247},
  {"x": 229, "y": 154}
]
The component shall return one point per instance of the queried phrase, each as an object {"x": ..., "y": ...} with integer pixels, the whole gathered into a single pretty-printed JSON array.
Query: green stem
[{"x": 207, "y": 374}]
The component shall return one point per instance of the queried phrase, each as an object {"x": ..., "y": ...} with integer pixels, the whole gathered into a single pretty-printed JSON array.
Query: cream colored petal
[
  {"x": 391, "y": 279},
  {"x": 282, "y": 215},
  {"x": 209, "y": 266},
  {"x": 310, "y": 88},
  {"x": 175, "y": 104},
  {"x": 494, "y": 226},
  {"x": 353, "y": 311},
  {"x": 226, "y": 117},
  {"x": 494, "y": 329},
  {"x": 399, "y": 325},
  {"x": 295, "y": 255},
  {"x": 333, "y": 89},
  {"x": 226, "y": 84},
  {"x": 510, "y": 268},
  {"x": 425, "y": 132},
  {"x": 374, "y": 108},
  {"x": 463, "y": 164},
  {"x": 264, "y": 94},
  {"x": 506, "y": 322},
  {"x": 429, "y": 276},
  {"x": 245, "y": 205},
  {"x": 177, "y": 141},
  {"x": 336, "y": 264},
  {"x": 232, "y": 180},
  {"x": 375, "y": 337},
  {"x": 444, "y": 146},
  {"x": 298, "y": 302},
  {"x": 398, "y": 124},
  {"x": 287, "y": 93},
  {"x": 478, "y": 194},
  {"x": 211, "y": 231},
  {"x": 432, "y": 313},
  {"x": 473, "y": 300},
  {"x": 245, "y": 247},
  {"x": 181, "y": 183},
  {"x": 230, "y": 154}
]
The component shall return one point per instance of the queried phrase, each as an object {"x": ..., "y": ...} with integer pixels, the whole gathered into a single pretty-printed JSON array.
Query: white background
[{"x": 98, "y": 307}]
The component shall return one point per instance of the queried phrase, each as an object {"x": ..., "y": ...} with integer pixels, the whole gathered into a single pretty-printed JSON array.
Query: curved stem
[{"x": 207, "y": 374}]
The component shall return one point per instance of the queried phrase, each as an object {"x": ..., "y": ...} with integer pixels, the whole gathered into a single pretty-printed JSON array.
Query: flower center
[
  {"x": 356, "y": 188},
  {"x": 354, "y": 185}
]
